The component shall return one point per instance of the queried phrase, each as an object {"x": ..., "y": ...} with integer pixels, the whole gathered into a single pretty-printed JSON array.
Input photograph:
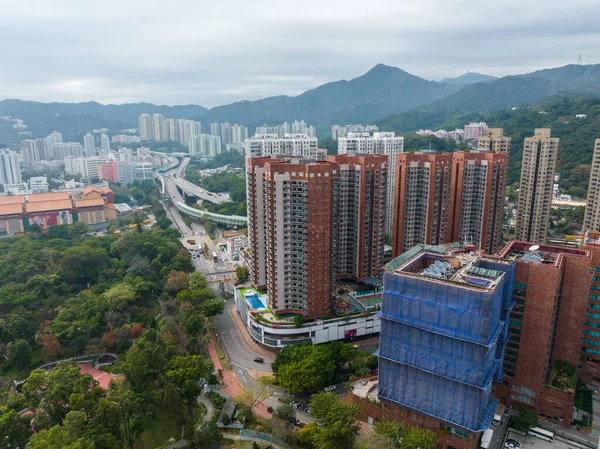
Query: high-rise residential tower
[
  {"x": 10, "y": 172},
  {"x": 449, "y": 197},
  {"x": 89, "y": 145},
  {"x": 215, "y": 129},
  {"x": 591, "y": 222},
  {"x": 477, "y": 208},
  {"x": 443, "y": 329},
  {"x": 537, "y": 178},
  {"x": 145, "y": 127},
  {"x": 291, "y": 230},
  {"x": 546, "y": 328},
  {"x": 422, "y": 201},
  {"x": 159, "y": 130},
  {"x": 379, "y": 143},
  {"x": 104, "y": 144},
  {"x": 495, "y": 141},
  {"x": 310, "y": 222},
  {"x": 360, "y": 215},
  {"x": 299, "y": 145}
]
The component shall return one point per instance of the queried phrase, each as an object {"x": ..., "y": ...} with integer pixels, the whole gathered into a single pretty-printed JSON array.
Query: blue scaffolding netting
[{"x": 442, "y": 343}]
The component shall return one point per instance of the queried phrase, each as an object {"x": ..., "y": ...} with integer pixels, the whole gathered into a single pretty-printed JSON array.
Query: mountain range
[
  {"x": 391, "y": 97},
  {"x": 469, "y": 78}
]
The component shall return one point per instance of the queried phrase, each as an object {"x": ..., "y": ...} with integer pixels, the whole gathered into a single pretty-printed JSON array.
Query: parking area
[{"x": 530, "y": 442}]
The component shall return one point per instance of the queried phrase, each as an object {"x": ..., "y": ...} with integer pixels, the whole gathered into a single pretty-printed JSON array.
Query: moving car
[{"x": 259, "y": 360}]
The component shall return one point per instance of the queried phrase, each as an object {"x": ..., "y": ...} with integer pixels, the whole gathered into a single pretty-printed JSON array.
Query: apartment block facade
[
  {"x": 478, "y": 186},
  {"x": 422, "y": 201},
  {"x": 298, "y": 145},
  {"x": 310, "y": 222},
  {"x": 442, "y": 339},
  {"x": 449, "y": 197},
  {"x": 495, "y": 141},
  {"x": 591, "y": 221},
  {"x": 537, "y": 179},
  {"x": 386, "y": 143},
  {"x": 360, "y": 215},
  {"x": 545, "y": 327}
]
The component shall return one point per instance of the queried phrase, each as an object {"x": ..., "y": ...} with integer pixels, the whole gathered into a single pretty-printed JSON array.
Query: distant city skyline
[{"x": 128, "y": 52}]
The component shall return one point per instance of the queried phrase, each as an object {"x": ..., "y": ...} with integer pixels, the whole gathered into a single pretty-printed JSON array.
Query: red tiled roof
[
  {"x": 11, "y": 209},
  {"x": 12, "y": 199},
  {"x": 89, "y": 202},
  {"x": 48, "y": 206},
  {"x": 54, "y": 196}
]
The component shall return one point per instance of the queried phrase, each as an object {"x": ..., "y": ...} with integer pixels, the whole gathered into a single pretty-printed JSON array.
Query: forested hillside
[{"x": 66, "y": 293}]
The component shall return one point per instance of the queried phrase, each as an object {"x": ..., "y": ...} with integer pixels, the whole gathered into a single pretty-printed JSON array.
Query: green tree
[
  {"x": 15, "y": 429},
  {"x": 339, "y": 421},
  {"x": 207, "y": 435},
  {"x": 81, "y": 265},
  {"x": 59, "y": 437},
  {"x": 134, "y": 412},
  {"x": 197, "y": 281},
  {"x": 164, "y": 223},
  {"x": 391, "y": 429},
  {"x": 212, "y": 307},
  {"x": 49, "y": 392},
  {"x": 525, "y": 420},
  {"x": 19, "y": 353},
  {"x": 418, "y": 438},
  {"x": 185, "y": 373},
  {"x": 286, "y": 413},
  {"x": 242, "y": 273},
  {"x": 120, "y": 296}
]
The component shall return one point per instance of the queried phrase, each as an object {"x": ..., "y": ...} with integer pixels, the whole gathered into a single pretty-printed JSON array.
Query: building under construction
[{"x": 443, "y": 334}]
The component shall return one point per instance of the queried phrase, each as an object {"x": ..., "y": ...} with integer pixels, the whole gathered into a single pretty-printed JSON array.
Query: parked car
[
  {"x": 259, "y": 360},
  {"x": 512, "y": 444}
]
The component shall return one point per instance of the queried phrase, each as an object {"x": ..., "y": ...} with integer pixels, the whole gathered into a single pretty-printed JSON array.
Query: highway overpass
[{"x": 230, "y": 220}]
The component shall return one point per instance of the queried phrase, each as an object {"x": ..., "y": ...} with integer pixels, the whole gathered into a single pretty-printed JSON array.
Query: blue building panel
[{"x": 443, "y": 333}]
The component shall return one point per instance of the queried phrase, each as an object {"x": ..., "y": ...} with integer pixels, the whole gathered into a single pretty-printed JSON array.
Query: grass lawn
[
  {"x": 163, "y": 427},
  {"x": 221, "y": 354}
]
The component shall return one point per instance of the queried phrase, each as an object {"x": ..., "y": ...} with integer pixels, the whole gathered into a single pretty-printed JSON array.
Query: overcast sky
[{"x": 221, "y": 51}]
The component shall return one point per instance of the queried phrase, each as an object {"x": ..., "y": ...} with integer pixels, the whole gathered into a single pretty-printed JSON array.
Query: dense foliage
[
  {"x": 233, "y": 158},
  {"x": 73, "y": 294},
  {"x": 576, "y": 134},
  {"x": 311, "y": 367}
]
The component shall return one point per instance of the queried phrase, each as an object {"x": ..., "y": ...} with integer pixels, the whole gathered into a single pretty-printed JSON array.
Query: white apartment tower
[
  {"x": 379, "y": 143},
  {"x": 537, "y": 178},
  {"x": 10, "y": 172},
  {"x": 591, "y": 222},
  {"x": 145, "y": 127},
  {"x": 105, "y": 144},
  {"x": 159, "y": 131},
  {"x": 289, "y": 145},
  {"x": 89, "y": 145}
]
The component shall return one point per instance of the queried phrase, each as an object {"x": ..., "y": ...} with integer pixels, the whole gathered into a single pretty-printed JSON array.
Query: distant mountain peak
[{"x": 469, "y": 78}]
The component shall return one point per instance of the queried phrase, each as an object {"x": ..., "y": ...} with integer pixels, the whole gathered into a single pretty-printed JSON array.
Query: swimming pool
[{"x": 255, "y": 301}]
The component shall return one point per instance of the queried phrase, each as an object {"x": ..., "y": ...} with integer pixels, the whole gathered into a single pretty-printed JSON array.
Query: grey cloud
[{"x": 212, "y": 53}]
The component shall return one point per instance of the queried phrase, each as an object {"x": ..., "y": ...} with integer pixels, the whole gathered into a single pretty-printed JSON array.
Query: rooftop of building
[
  {"x": 525, "y": 252},
  {"x": 452, "y": 263}
]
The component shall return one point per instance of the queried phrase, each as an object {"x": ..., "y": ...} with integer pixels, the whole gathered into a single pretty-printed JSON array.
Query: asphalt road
[{"x": 238, "y": 352}]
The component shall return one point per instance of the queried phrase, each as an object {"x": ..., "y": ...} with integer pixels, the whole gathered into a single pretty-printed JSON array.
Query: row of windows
[
  {"x": 593, "y": 333},
  {"x": 593, "y": 315},
  {"x": 521, "y": 285},
  {"x": 515, "y": 323},
  {"x": 591, "y": 342}
]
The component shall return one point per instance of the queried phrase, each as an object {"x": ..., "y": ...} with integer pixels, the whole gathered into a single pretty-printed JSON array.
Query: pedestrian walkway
[
  {"x": 232, "y": 386},
  {"x": 244, "y": 333}
]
